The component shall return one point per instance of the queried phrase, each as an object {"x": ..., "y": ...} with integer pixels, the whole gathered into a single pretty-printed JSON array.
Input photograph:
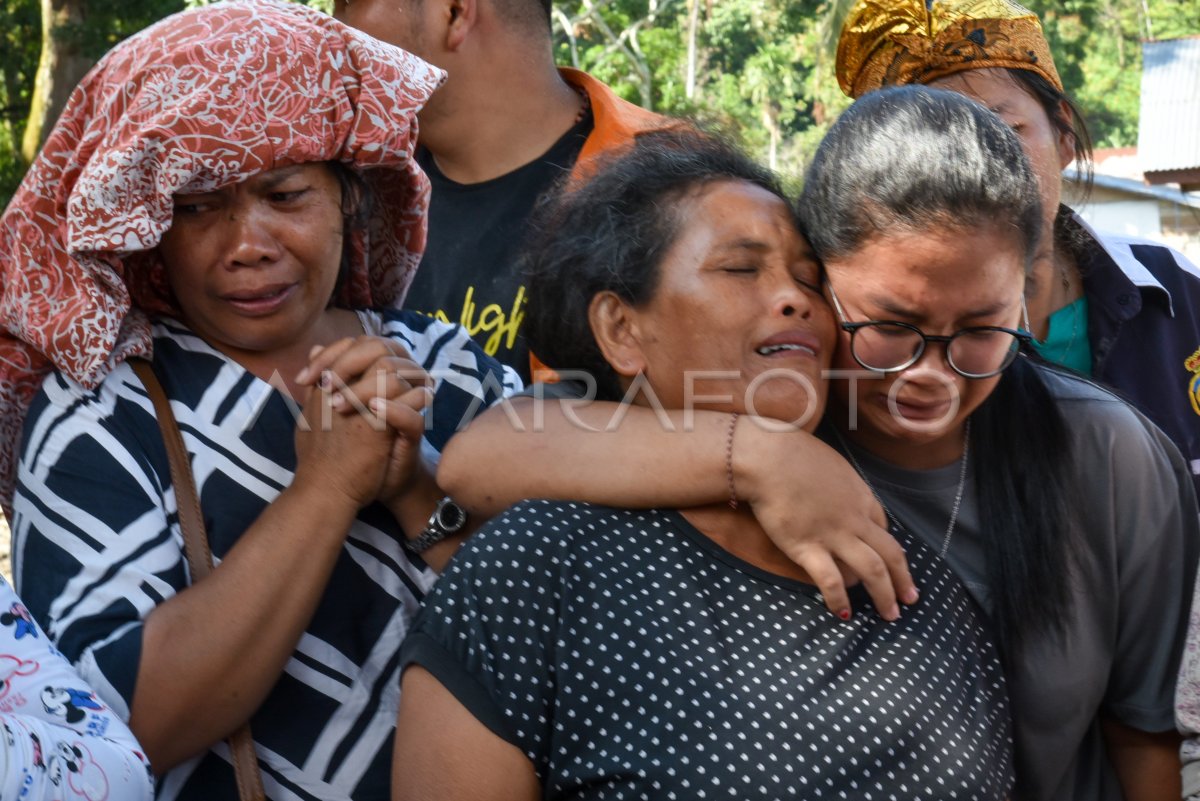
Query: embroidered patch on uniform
[{"x": 1192, "y": 365}]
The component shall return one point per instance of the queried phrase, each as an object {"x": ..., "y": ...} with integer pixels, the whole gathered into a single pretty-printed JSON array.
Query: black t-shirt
[
  {"x": 627, "y": 655},
  {"x": 467, "y": 275}
]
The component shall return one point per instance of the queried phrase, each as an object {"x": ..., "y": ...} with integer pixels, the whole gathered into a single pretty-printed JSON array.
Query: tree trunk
[
  {"x": 7, "y": 143},
  {"x": 60, "y": 68},
  {"x": 643, "y": 71},
  {"x": 770, "y": 120},
  {"x": 626, "y": 43},
  {"x": 568, "y": 26}
]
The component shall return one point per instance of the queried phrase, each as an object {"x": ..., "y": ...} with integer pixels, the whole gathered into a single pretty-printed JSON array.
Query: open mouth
[
  {"x": 935, "y": 410},
  {"x": 796, "y": 342},
  {"x": 771, "y": 350}
]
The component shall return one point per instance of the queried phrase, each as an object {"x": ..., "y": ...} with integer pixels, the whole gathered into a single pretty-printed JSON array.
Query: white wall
[
  {"x": 1139, "y": 218},
  {"x": 1129, "y": 217}
]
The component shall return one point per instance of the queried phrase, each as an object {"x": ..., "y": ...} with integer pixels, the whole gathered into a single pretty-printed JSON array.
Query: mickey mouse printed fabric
[{"x": 58, "y": 741}]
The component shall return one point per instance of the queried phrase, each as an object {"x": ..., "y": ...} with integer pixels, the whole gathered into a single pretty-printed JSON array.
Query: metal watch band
[{"x": 448, "y": 518}]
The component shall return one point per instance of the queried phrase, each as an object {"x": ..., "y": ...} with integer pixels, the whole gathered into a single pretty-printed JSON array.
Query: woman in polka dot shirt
[
  {"x": 1067, "y": 515},
  {"x": 578, "y": 651}
]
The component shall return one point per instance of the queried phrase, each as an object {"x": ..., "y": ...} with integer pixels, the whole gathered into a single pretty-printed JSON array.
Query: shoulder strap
[
  {"x": 199, "y": 556},
  {"x": 191, "y": 521}
]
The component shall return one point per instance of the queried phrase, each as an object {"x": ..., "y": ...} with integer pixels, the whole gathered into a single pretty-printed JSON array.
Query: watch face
[{"x": 451, "y": 516}]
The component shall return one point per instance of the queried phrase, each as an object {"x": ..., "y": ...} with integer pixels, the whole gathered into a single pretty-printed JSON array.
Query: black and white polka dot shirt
[{"x": 629, "y": 656}]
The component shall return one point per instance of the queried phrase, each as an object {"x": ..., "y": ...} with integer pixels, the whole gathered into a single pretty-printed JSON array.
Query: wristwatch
[{"x": 448, "y": 518}]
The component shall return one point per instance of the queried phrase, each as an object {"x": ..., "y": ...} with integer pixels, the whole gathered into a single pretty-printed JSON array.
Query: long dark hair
[{"x": 912, "y": 159}]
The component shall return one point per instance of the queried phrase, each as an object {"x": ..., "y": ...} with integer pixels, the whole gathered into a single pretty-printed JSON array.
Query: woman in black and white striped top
[{"x": 237, "y": 213}]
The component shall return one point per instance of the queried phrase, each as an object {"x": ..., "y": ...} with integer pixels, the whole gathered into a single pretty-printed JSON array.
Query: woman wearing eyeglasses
[
  {"x": 1070, "y": 518},
  {"x": 1123, "y": 310}
]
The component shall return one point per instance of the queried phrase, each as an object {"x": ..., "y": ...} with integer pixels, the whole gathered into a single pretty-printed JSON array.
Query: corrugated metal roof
[
  {"x": 1169, "y": 125},
  {"x": 1137, "y": 188}
]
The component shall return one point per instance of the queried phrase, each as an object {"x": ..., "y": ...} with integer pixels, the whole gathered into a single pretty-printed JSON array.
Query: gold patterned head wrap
[{"x": 898, "y": 42}]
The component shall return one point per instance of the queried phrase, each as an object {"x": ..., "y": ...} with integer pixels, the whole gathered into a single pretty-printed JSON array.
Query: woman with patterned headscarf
[
  {"x": 227, "y": 193},
  {"x": 1123, "y": 310}
]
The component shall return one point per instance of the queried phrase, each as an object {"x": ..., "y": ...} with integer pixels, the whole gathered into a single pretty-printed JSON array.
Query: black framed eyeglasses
[{"x": 888, "y": 346}]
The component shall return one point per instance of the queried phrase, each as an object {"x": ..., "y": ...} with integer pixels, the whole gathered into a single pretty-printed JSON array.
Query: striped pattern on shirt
[{"x": 97, "y": 546}]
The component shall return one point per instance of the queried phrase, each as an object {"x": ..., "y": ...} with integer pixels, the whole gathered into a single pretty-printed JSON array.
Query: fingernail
[
  {"x": 911, "y": 596},
  {"x": 337, "y": 401},
  {"x": 844, "y": 614},
  {"x": 377, "y": 406},
  {"x": 325, "y": 379},
  {"x": 302, "y": 376},
  {"x": 892, "y": 613},
  {"x": 312, "y": 354}
]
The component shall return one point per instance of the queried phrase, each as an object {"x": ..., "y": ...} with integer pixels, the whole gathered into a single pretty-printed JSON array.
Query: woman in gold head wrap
[
  {"x": 1124, "y": 311},
  {"x": 1097, "y": 300}
]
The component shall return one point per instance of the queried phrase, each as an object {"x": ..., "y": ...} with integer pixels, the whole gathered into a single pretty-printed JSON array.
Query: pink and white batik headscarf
[{"x": 202, "y": 99}]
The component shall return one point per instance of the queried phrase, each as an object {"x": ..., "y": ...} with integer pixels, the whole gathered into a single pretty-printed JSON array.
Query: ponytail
[{"x": 1025, "y": 499}]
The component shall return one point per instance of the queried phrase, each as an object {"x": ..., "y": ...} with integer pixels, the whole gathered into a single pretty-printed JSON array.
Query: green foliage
[
  {"x": 758, "y": 65},
  {"x": 20, "y": 45},
  {"x": 1170, "y": 19},
  {"x": 107, "y": 22},
  {"x": 110, "y": 21},
  {"x": 1097, "y": 48},
  {"x": 763, "y": 69}
]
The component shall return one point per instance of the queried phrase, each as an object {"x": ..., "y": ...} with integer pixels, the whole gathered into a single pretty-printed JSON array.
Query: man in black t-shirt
[
  {"x": 506, "y": 126},
  {"x": 467, "y": 274}
]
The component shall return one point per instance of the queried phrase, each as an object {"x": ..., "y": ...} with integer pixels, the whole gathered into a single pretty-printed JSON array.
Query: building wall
[
  {"x": 1129, "y": 217},
  {"x": 1172, "y": 224}
]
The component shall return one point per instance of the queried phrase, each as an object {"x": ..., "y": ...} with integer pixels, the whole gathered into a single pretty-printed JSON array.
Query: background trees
[
  {"x": 761, "y": 69},
  {"x": 46, "y": 47},
  {"x": 1100, "y": 39},
  {"x": 764, "y": 68}
]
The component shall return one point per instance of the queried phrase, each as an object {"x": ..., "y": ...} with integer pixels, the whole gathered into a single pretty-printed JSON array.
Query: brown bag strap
[{"x": 199, "y": 556}]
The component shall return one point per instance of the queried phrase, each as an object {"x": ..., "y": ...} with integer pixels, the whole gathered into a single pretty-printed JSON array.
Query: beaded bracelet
[{"x": 733, "y": 499}]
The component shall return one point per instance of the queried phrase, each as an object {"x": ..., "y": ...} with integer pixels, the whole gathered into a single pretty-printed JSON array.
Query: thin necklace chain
[{"x": 958, "y": 495}]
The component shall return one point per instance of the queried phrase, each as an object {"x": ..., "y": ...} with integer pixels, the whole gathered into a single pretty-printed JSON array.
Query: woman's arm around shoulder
[{"x": 809, "y": 500}]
